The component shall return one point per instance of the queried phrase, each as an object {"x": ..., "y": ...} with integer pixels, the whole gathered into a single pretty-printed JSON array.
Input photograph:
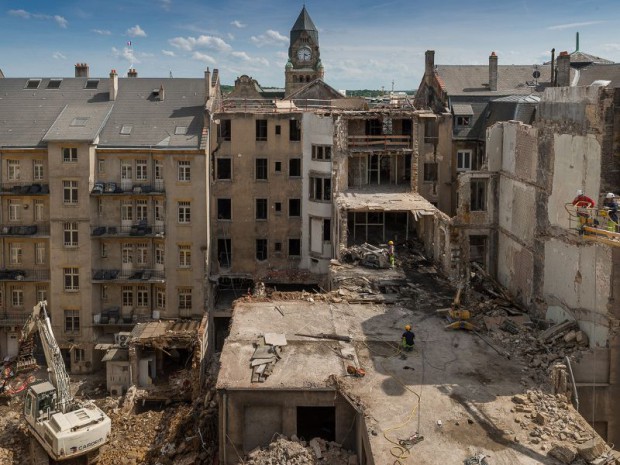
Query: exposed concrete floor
[{"x": 452, "y": 376}]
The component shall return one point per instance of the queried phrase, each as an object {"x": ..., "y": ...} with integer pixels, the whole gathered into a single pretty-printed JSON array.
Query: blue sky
[{"x": 364, "y": 44}]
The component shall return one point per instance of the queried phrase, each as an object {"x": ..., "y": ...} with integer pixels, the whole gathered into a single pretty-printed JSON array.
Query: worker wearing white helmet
[
  {"x": 391, "y": 254},
  {"x": 611, "y": 205}
]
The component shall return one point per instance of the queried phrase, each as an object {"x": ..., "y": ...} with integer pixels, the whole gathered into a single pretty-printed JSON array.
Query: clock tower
[{"x": 304, "y": 62}]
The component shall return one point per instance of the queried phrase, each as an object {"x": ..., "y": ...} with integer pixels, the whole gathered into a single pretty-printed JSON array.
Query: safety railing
[
  {"x": 600, "y": 224},
  {"x": 379, "y": 142}
]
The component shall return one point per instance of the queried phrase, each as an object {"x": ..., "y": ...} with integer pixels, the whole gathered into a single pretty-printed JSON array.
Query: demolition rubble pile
[
  {"x": 283, "y": 451},
  {"x": 13, "y": 437},
  {"x": 179, "y": 434},
  {"x": 550, "y": 423}
]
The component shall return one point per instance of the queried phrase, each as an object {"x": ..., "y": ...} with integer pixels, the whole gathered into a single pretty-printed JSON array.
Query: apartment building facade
[{"x": 104, "y": 205}]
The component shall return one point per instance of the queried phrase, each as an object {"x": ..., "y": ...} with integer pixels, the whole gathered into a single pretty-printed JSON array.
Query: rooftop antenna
[{"x": 170, "y": 74}]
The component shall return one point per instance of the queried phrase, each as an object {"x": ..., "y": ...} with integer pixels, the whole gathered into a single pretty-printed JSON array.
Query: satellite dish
[{"x": 536, "y": 74}]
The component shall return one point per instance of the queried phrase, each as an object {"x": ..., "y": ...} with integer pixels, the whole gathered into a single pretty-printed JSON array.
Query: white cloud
[
  {"x": 573, "y": 25},
  {"x": 230, "y": 36},
  {"x": 203, "y": 41},
  {"x": 136, "y": 31},
  {"x": 202, "y": 57},
  {"x": 270, "y": 37},
  {"x": 282, "y": 55},
  {"x": 611, "y": 47},
  {"x": 243, "y": 56},
  {"x": 102, "y": 32},
  {"x": 168, "y": 53},
  {"x": 20, "y": 13},
  {"x": 238, "y": 24},
  {"x": 166, "y": 4},
  {"x": 61, "y": 21},
  {"x": 58, "y": 56},
  {"x": 126, "y": 54},
  {"x": 147, "y": 55}
]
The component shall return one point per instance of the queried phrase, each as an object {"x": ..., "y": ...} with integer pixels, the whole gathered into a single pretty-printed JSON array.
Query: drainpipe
[{"x": 572, "y": 377}]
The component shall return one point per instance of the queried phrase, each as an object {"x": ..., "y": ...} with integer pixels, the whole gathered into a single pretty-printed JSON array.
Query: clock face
[{"x": 304, "y": 54}]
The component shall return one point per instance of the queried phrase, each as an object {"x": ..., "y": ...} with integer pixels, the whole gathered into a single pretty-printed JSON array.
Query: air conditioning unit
[{"x": 122, "y": 339}]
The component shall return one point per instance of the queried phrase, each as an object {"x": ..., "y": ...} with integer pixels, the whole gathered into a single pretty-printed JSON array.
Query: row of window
[
  {"x": 16, "y": 295},
  {"x": 224, "y": 208},
  {"x": 223, "y": 168},
  {"x": 16, "y": 253},
  {"x": 294, "y": 133},
  {"x": 130, "y": 169},
  {"x": 224, "y": 250},
  {"x": 132, "y": 297}
]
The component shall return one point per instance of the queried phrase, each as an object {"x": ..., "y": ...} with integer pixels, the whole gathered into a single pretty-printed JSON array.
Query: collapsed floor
[{"x": 460, "y": 390}]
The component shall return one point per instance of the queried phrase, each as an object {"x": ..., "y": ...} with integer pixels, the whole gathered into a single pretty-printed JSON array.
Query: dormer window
[
  {"x": 180, "y": 130},
  {"x": 91, "y": 84},
  {"x": 33, "y": 83},
  {"x": 54, "y": 83},
  {"x": 463, "y": 120},
  {"x": 126, "y": 129}
]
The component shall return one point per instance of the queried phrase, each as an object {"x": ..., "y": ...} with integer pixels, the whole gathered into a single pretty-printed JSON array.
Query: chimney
[
  {"x": 563, "y": 72},
  {"x": 553, "y": 66},
  {"x": 162, "y": 93},
  {"x": 577, "y": 42},
  {"x": 113, "y": 85},
  {"x": 429, "y": 63},
  {"x": 207, "y": 84},
  {"x": 493, "y": 72},
  {"x": 132, "y": 73},
  {"x": 81, "y": 70}
]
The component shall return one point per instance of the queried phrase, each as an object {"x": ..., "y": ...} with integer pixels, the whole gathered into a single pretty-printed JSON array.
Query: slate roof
[
  {"x": 154, "y": 122},
  {"x": 474, "y": 79},
  {"x": 597, "y": 72},
  {"x": 79, "y": 122},
  {"x": 304, "y": 23},
  {"x": 580, "y": 59},
  {"x": 27, "y": 114},
  {"x": 32, "y": 117}
]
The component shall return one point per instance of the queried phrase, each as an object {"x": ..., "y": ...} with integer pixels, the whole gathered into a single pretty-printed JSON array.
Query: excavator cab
[{"x": 40, "y": 402}]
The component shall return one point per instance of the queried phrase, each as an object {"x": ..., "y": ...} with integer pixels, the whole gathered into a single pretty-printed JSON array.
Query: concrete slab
[{"x": 451, "y": 376}]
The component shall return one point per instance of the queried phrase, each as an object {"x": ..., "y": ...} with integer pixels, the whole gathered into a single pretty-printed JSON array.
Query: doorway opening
[{"x": 316, "y": 422}]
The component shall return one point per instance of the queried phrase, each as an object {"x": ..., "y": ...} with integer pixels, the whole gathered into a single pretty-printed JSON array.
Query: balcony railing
[
  {"x": 135, "y": 275},
  {"x": 24, "y": 275},
  {"x": 24, "y": 230},
  {"x": 24, "y": 188},
  {"x": 384, "y": 142},
  {"x": 112, "y": 188},
  {"x": 114, "y": 316},
  {"x": 138, "y": 230},
  {"x": 13, "y": 318}
]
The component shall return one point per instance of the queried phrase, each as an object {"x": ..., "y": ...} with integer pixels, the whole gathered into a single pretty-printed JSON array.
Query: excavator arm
[{"x": 58, "y": 376}]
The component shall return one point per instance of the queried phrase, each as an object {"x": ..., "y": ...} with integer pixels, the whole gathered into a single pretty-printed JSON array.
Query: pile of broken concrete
[
  {"x": 551, "y": 423},
  {"x": 293, "y": 451}
]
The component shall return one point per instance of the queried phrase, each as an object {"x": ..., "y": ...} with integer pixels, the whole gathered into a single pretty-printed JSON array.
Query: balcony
[
  {"x": 382, "y": 142},
  {"x": 132, "y": 276},
  {"x": 24, "y": 188},
  {"x": 141, "y": 229},
  {"x": 112, "y": 316},
  {"x": 20, "y": 230},
  {"x": 24, "y": 275},
  {"x": 13, "y": 318},
  {"x": 114, "y": 188}
]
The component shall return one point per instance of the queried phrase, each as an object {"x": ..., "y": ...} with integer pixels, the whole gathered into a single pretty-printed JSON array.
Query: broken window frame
[
  {"x": 294, "y": 167},
  {"x": 478, "y": 194},
  {"x": 224, "y": 209},
  {"x": 462, "y": 121},
  {"x": 220, "y": 172},
  {"x": 262, "y": 247},
  {"x": 261, "y": 209},
  {"x": 294, "y": 134},
  {"x": 224, "y": 130},
  {"x": 320, "y": 189},
  {"x": 294, "y": 247},
  {"x": 294, "y": 208},
  {"x": 261, "y": 130}
]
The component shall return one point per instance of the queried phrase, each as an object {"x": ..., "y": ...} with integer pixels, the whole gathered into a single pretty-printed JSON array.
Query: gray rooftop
[
  {"x": 474, "y": 79},
  {"x": 597, "y": 72},
  {"x": 32, "y": 113}
]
